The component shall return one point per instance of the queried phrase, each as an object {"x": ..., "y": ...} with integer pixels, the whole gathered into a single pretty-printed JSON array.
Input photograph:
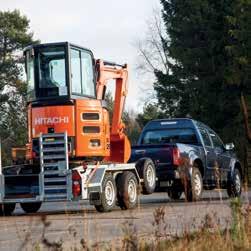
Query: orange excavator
[
  {"x": 73, "y": 151},
  {"x": 67, "y": 94}
]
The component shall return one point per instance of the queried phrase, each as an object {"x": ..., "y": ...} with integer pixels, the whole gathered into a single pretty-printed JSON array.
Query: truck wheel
[
  {"x": 234, "y": 185},
  {"x": 31, "y": 207},
  {"x": 108, "y": 195},
  {"x": 7, "y": 209},
  {"x": 147, "y": 171},
  {"x": 127, "y": 185},
  {"x": 194, "y": 186},
  {"x": 174, "y": 194}
]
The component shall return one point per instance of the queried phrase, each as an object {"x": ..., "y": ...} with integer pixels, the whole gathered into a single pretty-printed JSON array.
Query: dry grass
[{"x": 209, "y": 236}]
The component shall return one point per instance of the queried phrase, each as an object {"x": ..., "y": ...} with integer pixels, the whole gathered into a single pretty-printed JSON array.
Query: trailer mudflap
[{"x": 92, "y": 180}]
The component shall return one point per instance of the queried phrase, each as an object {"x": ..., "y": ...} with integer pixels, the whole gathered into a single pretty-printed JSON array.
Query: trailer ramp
[{"x": 56, "y": 178}]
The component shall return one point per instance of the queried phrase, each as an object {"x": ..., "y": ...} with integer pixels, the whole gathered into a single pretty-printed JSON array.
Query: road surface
[{"x": 75, "y": 223}]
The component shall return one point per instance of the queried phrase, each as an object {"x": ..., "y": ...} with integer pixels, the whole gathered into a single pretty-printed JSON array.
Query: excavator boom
[{"x": 120, "y": 145}]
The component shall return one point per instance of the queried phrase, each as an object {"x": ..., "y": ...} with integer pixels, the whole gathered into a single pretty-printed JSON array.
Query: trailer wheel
[
  {"x": 31, "y": 207},
  {"x": 127, "y": 186},
  {"x": 7, "y": 209},
  {"x": 108, "y": 195},
  {"x": 146, "y": 170}
]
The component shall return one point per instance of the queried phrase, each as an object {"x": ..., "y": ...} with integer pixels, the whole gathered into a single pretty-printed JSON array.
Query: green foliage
[
  {"x": 238, "y": 224},
  {"x": 209, "y": 48},
  {"x": 238, "y": 45},
  {"x": 150, "y": 112},
  {"x": 14, "y": 36},
  {"x": 132, "y": 129}
]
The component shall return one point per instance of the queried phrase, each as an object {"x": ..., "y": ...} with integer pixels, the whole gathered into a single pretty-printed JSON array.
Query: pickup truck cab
[{"x": 186, "y": 156}]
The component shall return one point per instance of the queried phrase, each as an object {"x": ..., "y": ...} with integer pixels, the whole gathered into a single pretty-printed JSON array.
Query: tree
[
  {"x": 154, "y": 60},
  {"x": 150, "y": 112},
  {"x": 208, "y": 47},
  {"x": 132, "y": 128},
  {"x": 14, "y": 36},
  {"x": 238, "y": 70}
]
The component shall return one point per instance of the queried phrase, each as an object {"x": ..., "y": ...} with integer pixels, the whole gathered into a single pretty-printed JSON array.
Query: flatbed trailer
[{"x": 104, "y": 185}]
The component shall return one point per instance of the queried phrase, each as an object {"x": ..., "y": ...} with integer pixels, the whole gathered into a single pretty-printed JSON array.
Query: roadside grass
[
  {"x": 208, "y": 236},
  {"x": 205, "y": 235}
]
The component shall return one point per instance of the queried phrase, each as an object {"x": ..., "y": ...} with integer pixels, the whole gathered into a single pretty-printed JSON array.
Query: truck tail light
[
  {"x": 176, "y": 156},
  {"x": 34, "y": 155},
  {"x": 76, "y": 184}
]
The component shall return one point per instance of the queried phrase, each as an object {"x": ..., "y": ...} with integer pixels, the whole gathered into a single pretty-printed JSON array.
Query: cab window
[
  {"x": 82, "y": 76},
  {"x": 87, "y": 74},
  {"x": 30, "y": 75},
  {"x": 205, "y": 137},
  {"x": 75, "y": 72},
  {"x": 51, "y": 72},
  {"x": 216, "y": 139}
]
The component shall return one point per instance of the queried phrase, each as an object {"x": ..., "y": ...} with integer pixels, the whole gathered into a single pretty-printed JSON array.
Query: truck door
[
  {"x": 210, "y": 158},
  {"x": 223, "y": 156}
]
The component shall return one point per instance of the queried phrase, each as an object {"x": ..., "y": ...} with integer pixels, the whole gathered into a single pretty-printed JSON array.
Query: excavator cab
[
  {"x": 61, "y": 71},
  {"x": 66, "y": 88}
]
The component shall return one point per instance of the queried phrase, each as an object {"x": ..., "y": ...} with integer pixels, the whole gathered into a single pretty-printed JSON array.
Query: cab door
[
  {"x": 223, "y": 156},
  {"x": 210, "y": 157}
]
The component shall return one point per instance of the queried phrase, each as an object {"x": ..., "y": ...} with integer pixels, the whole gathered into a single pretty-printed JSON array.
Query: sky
[{"x": 109, "y": 28}]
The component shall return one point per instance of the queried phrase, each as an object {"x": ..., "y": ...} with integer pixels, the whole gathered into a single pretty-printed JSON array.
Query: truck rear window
[{"x": 163, "y": 136}]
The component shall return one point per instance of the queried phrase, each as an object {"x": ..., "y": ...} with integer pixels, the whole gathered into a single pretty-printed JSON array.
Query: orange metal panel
[
  {"x": 84, "y": 145},
  {"x": 61, "y": 118}
]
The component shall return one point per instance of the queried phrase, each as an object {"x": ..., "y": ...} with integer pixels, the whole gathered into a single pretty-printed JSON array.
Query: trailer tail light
[
  {"x": 176, "y": 156},
  {"x": 76, "y": 184}
]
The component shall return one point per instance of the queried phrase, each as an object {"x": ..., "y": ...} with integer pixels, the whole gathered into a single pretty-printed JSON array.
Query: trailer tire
[
  {"x": 127, "y": 186},
  {"x": 7, "y": 209},
  {"x": 108, "y": 195},
  {"x": 147, "y": 172},
  {"x": 31, "y": 207}
]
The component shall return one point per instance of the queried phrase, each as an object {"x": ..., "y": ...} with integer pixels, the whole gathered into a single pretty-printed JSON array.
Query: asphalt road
[{"x": 76, "y": 223}]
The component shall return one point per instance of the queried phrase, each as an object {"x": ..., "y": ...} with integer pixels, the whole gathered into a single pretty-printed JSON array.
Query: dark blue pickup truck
[{"x": 186, "y": 156}]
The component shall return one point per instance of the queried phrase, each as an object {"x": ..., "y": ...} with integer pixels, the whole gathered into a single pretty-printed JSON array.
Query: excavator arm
[{"x": 120, "y": 145}]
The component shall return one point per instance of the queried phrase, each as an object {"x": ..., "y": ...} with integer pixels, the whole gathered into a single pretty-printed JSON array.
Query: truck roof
[{"x": 173, "y": 123}]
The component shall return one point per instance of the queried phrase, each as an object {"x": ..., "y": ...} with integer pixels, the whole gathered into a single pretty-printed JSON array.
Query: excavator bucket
[{"x": 120, "y": 150}]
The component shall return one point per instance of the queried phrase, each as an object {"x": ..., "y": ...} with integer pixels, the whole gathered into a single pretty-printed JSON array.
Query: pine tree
[
  {"x": 14, "y": 36},
  {"x": 209, "y": 50}
]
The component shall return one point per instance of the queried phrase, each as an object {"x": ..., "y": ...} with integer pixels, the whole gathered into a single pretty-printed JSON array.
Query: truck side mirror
[{"x": 229, "y": 146}]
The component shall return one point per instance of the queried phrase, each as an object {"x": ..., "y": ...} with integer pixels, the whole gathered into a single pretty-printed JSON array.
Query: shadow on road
[{"x": 146, "y": 202}]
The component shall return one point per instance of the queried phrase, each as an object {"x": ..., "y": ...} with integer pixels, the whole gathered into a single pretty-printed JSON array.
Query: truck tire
[
  {"x": 127, "y": 186},
  {"x": 31, "y": 207},
  {"x": 174, "y": 194},
  {"x": 147, "y": 172},
  {"x": 108, "y": 195},
  {"x": 7, "y": 209},
  {"x": 194, "y": 186},
  {"x": 234, "y": 185}
]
